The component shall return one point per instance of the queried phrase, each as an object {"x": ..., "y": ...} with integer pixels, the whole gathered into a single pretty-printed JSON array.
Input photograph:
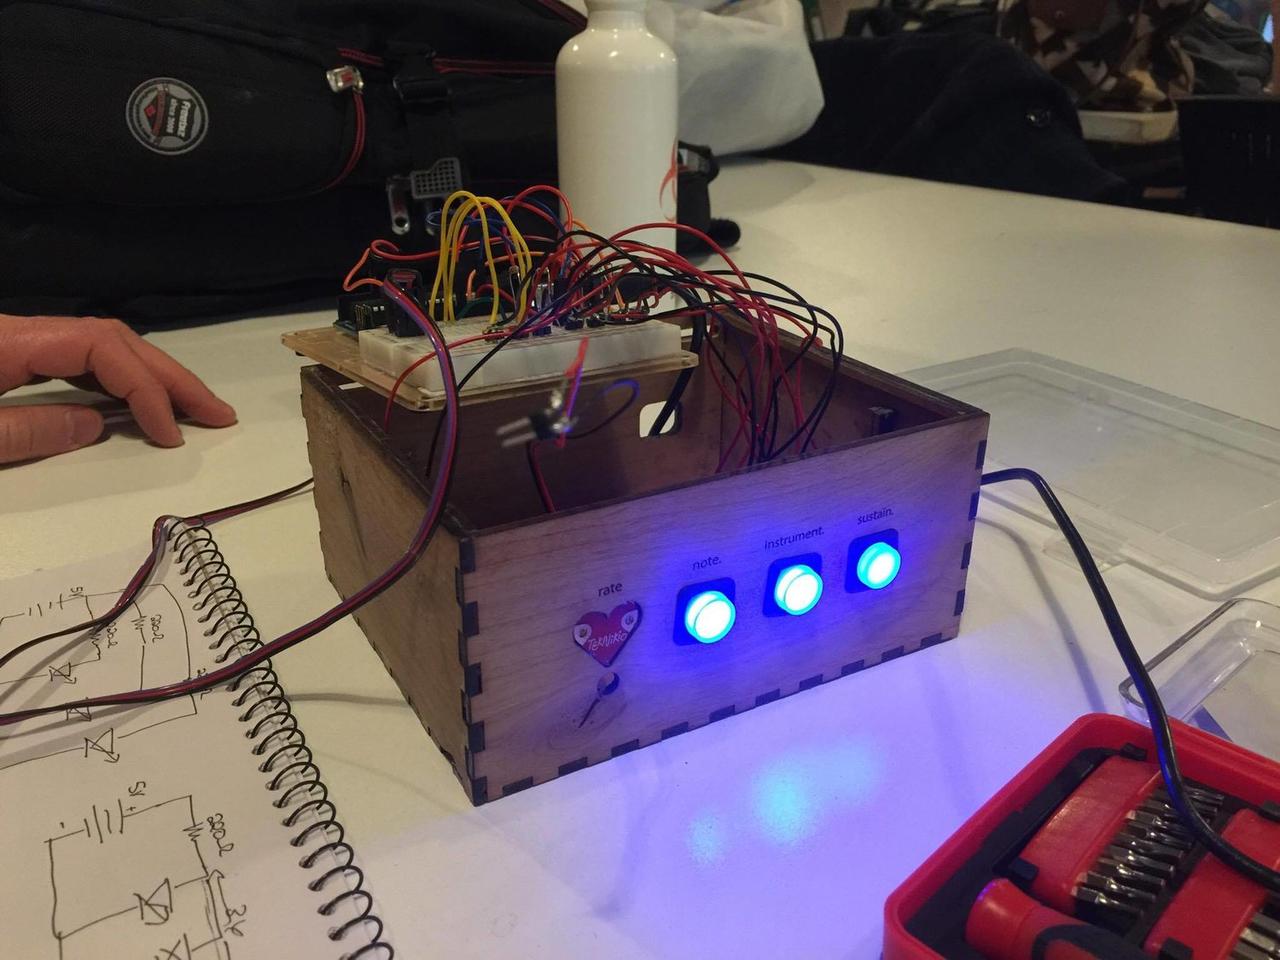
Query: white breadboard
[{"x": 519, "y": 360}]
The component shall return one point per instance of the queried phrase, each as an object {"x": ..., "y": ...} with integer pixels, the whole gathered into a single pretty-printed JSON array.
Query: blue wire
[{"x": 542, "y": 206}]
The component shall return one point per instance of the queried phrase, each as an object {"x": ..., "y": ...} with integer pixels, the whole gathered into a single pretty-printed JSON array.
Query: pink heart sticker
[{"x": 604, "y": 636}]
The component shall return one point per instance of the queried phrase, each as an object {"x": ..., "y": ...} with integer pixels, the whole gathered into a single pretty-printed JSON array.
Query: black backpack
[{"x": 163, "y": 159}]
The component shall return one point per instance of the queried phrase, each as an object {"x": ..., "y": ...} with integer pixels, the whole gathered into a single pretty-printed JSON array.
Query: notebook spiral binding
[{"x": 295, "y": 778}]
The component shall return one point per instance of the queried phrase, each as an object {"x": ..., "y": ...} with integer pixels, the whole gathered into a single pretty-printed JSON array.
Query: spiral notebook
[{"x": 194, "y": 829}]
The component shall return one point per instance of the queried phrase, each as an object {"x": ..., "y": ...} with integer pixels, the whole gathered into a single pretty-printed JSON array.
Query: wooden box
[{"x": 491, "y": 636}]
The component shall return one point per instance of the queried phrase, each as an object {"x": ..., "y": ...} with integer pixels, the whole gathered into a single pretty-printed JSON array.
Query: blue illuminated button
[
  {"x": 798, "y": 589},
  {"x": 709, "y": 616},
  {"x": 879, "y": 565}
]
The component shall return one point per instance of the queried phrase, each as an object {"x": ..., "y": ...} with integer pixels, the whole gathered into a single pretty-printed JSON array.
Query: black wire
[
  {"x": 539, "y": 481},
  {"x": 531, "y": 452},
  {"x": 737, "y": 385},
  {"x": 672, "y": 405},
  {"x": 671, "y": 278},
  {"x": 1166, "y": 753},
  {"x": 723, "y": 305},
  {"x": 762, "y": 451},
  {"x": 748, "y": 400},
  {"x": 836, "y": 332},
  {"x": 635, "y": 394},
  {"x": 756, "y": 440}
]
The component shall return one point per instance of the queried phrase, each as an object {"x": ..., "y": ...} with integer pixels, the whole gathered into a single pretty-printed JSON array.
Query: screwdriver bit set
[{"x": 1084, "y": 856}]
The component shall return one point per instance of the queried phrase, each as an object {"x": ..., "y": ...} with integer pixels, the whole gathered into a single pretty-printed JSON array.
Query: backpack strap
[{"x": 428, "y": 112}]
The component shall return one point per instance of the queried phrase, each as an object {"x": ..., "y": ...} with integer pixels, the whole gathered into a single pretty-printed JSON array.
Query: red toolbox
[{"x": 1081, "y": 856}]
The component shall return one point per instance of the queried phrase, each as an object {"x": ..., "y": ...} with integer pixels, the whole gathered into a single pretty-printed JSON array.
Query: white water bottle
[{"x": 617, "y": 96}]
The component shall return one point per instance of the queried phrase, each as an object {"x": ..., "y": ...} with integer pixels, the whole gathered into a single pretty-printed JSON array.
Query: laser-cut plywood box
[{"x": 533, "y": 645}]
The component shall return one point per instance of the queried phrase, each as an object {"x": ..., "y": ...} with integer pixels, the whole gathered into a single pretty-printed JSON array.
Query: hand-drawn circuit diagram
[
  {"x": 148, "y": 645},
  {"x": 136, "y": 872}
]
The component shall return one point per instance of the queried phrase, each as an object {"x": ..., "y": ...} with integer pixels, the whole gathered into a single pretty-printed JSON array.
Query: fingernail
[
  {"x": 229, "y": 410},
  {"x": 83, "y": 427}
]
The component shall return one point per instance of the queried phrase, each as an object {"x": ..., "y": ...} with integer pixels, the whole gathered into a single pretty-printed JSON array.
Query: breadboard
[
  {"x": 519, "y": 360},
  {"x": 340, "y": 351}
]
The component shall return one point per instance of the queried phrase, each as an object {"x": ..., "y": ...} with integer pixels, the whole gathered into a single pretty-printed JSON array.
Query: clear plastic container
[
  {"x": 1185, "y": 492},
  {"x": 1223, "y": 676}
]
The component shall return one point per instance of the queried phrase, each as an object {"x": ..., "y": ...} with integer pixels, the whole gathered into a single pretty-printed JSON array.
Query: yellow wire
[{"x": 450, "y": 235}]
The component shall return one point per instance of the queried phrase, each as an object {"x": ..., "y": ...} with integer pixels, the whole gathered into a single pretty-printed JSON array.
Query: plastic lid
[
  {"x": 1183, "y": 491},
  {"x": 1222, "y": 676}
]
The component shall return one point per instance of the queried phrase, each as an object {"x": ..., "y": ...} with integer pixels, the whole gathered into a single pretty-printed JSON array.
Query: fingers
[
  {"x": 184, "y": 387},
  {"x": 125, "y": 365},
  {"x": 27, "y": 433},
  {"x": 124, "y": 375}
]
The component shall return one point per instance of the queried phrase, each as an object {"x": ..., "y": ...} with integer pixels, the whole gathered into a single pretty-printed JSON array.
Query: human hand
[{"x": 114, "y": 360}]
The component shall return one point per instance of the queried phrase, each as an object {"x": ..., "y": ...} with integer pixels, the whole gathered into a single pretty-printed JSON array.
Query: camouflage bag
[{"x": 1110, "y": 54}]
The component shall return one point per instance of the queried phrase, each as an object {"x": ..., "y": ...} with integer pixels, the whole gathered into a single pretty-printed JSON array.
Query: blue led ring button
[
  {"x": 874, "y": 562},
  {"x": 879, "y": 565},
  {"x": 797, "y": 589},
  {"x": 709, "y": 616}
]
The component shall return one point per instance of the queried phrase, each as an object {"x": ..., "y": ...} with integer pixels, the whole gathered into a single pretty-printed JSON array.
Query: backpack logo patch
[{"x": 167, "y": 116}]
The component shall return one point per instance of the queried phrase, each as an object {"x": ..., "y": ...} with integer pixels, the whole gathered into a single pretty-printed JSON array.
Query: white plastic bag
[{"x": 747, "y": 78}]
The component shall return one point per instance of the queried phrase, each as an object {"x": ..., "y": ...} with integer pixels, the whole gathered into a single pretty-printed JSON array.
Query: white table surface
[{"x": 780, "y": 832}]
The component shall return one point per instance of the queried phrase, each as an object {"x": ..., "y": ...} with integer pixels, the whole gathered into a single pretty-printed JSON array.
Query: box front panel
[{"x": 609, "y": 629}]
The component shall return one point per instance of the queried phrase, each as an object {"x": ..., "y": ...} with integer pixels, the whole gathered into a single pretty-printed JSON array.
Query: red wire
[
  {"x": 404, "y": 374},
  {"x": 544, "y": 492},
  {"x": 386, "y": 250},
  {"x": 547, "y": 188},
  {"x": 513, "y": 204},
  {"x": 494, "y": 68},
  {"x": 361, "y": 56},
  {"x": 531, "y": 448},
  {"x": 395, "y": 389},
  {"x": 769, "y": 365},
  {"x": 575, "y": 371},
  {"x": 501, "y": 293},
  {"x": 159, "y": 536},
  {"x": 768, "y": 332},
  {"x": 397, "y": 569},
  {"x": 578, "y": 361},
  {"x": 357, "y": 145},
  {"x": 747, "y": 306}
]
